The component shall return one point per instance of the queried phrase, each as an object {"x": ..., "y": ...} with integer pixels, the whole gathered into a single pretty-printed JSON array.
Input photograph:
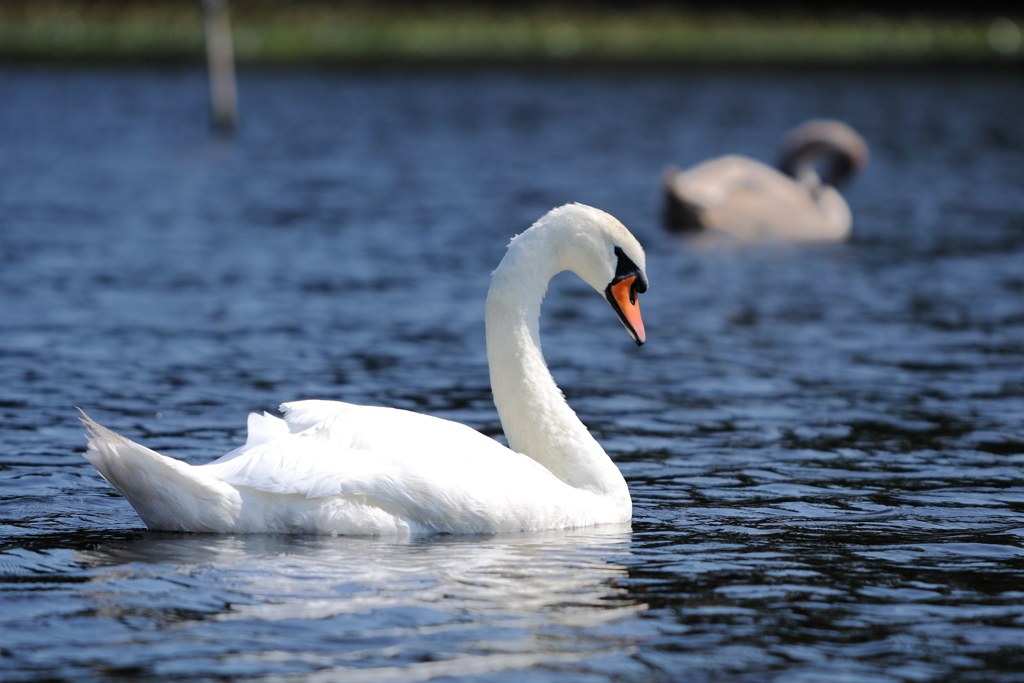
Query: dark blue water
[{"x": 824, "y": 445}]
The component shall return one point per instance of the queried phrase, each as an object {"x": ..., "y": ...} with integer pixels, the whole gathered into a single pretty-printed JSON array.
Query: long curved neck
[{"x": 534, "y": 414}]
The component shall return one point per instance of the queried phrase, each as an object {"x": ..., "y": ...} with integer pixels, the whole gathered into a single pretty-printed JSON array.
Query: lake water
[{"x": 824, "y": 445}]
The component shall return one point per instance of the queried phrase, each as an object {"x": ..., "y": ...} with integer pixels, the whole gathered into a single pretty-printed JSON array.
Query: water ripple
[{"x": 824, "y": 445}]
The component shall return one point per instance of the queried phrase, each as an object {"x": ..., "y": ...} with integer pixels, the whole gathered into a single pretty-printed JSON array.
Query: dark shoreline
[{"x": 362, "y": 36}]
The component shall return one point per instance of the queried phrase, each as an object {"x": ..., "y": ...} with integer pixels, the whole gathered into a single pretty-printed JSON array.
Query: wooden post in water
[{"x": 221, "y": 60}]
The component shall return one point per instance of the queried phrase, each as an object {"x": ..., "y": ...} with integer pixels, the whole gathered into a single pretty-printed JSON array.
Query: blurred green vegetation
[{"x": 348, "y": 33}]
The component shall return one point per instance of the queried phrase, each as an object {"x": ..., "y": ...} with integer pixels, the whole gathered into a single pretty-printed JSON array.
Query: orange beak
[{"x": 623, "y": 297}]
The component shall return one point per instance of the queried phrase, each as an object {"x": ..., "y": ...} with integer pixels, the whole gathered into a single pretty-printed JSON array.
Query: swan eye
[{"x": 625, "y": 268}]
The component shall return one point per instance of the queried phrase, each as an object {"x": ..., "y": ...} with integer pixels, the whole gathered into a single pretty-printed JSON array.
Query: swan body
[
  {"x": 752, "y": 201},
  {"x": 330, "y": 467}
]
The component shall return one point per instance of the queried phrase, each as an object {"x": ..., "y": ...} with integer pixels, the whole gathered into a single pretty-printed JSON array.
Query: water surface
[{"x": 824, "y": 444}]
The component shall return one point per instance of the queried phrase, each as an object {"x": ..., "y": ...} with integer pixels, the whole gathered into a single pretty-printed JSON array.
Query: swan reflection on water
[
  {"x": 357, "y": 608},
  {"x": 556, "y": 577}
]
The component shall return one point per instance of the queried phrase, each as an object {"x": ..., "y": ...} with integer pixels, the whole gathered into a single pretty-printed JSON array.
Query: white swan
[
  {"x": 336, "y": 468},
  {"x": 752, "y": 201}
]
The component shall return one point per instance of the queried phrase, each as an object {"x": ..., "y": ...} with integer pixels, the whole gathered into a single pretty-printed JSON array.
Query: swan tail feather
[{"x": 168, "y": 494}]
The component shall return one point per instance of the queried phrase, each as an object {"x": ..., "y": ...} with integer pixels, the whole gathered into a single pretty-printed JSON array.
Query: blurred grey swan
[{"x": 752, "y": 201}]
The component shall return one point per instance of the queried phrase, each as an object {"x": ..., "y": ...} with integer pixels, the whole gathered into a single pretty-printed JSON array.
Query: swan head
[
  {"x": 827, "y": 151},
  {"x": 603, "y": 253}
]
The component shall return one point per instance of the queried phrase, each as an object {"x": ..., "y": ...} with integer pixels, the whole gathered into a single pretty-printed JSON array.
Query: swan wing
[
  {"x": 752, "y": 200},
  {"x": 301, "y": 415},
  {"x": 376, "y": 428},
  {"x": 445, "y": 478},
  {"x": 355, "y": 449},
  {"x": 712, "y": 182},
  {"x": 434, "y": 474},
  {"x": 356, "y": 428}
]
